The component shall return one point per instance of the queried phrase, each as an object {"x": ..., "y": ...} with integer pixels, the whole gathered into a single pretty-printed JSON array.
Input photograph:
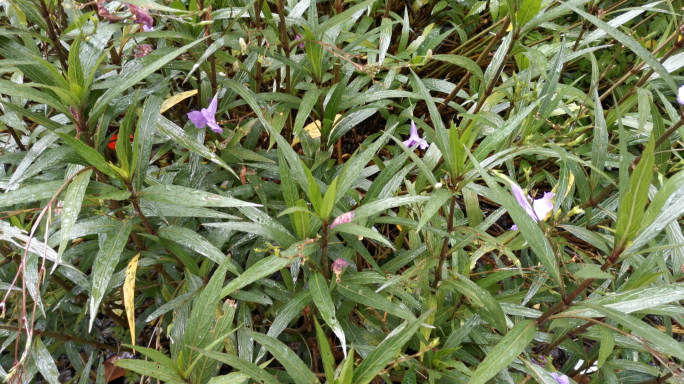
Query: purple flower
[
  {"x": 142, "y": 50},
  {"x": 206, "y": 116},
  {"x": 562, "y": 379},
  {"x": 297, "y": 38},
  {"x": 337, "y": 267},
  {"x": 539, "y": 207},
  {"x": 414, "y": 138},
  {"x": 680, "y": 95},
  {"x": 342, "y": 219},
  {"x": 141, "y": 16}
]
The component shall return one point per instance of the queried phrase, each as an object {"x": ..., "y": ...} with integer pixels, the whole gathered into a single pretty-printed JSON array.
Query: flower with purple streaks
[
  {"x": 142, "y": 50},
  {"x": 415, "y": 138},
  {"x": 342, "y": 219},
  {"x": 141, "y": 16},
  {"x": 539, "y": 207},
  {"x": 205, "y": 116},
  {"x": 338, "y": 266},
  {"x": 680, "y": 95}
]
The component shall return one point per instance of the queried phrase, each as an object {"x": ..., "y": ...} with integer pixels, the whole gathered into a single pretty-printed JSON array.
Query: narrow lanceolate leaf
[
  {"x": 386, "y": 351},
  {"x": 262, "y": 268},
  {"x": 30, "y": 193},
  {"x": 198, "y": 329},
  {"x": 130, "y": 81},
  {"x": 45, "y": 363},
  {"x": 149, "y": 368},
  {"x": 177, "y": 134},
  {"x": 630, "y": 43},
  {"x": 129, "y": 294},
  {"x": 105, "y": 262},
  {"x": 194, "y": 241},
  {"x": 90, "y": 155},
  {"x": 528, "y": 227},
  {"x": 323, "y": 300},
  {"x": 631, "y": 208},
  {"x": 176, "y": 194},
  {"x": 493, "y": 313},
  {"x": 299, "y": 371},
  {"x": 71, "y": 209},
  {"x": 144, "y": 135},
  {"x": 643, "y": 330},
  {"x": 367, "y": 296},
  {"x": 505, "y": 352},
  {"x": 250, "y": 369},
  {"x": 326, "y": 353}
]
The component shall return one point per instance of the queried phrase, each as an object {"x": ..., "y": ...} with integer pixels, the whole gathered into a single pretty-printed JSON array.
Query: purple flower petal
[
  {"x": 562, "y": 379},
  {"x": 198, "y": 119},
  {"x": 414, "y": 138},
  {"x": 543, "y": 206},
  {"x": 514, "y": 227},
  {"x": 147, "y": 29},
  {"x": 213, "y": 106},
  {"x": 342, "y": 219},
  {"x": 141, "y": 16},
  {"x": 680, "y": 95},
  {"x": 215, "y": 127},
  {"x": 523, "y": 201}
]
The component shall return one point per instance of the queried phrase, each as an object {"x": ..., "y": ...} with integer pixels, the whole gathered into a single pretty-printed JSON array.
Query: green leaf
[
  {"x": 244, "y": 366},
  {"x": 357, "y": 230},
  {"x": 91, "y": 156},
  {"x": 607, "y": 345},
  {"x": 30, "y": 193},
  {"x": 528, "y": 10},
  {"x": 631, "y": 208},
  {"x": 179, "y": 136},
  {"x": 70, "y": 210},
  {"x": 176, "y": 194},
  {"x": 45, "y": 362},
  {"x": 492, "y": 312},
  {"x": 157, "y": 357},
  {"x": 528, "y": 227},
  {"x": 294, "y": 366},
  {"x": 366, "y": 296},
  {"x": 194, "y": 241},
  {"x": 504, "y": 352},
  {"x": 308, "y": 102},
  {"x": 643, "y": 330},
  {"x": 152, "y": 369},
  {"x": 144, "y": 137},
  {"x": 437, "y": 200},
  {"x": 105, "y": 262},
  {"x": 262, "y": 268},
  {"x": 592, "y": 271},
  {"x": 630, "y": 43},
  {"x": 321, "y": 297},
  {"x": 129, "y": 81},
  {"x": 463, "y": 62},
  {"x": 386, "y": 351},
  {"x": 326, "y": 353},
  {"x": 197, "y": 331}
]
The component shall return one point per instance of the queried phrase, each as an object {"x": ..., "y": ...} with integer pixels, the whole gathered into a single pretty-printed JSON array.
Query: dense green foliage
[{"x": 376, "y": 191}]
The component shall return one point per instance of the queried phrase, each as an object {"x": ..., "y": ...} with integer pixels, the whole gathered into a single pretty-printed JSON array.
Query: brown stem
[
  {"x": 561, "y": 339},
  {"x": 445, "y": 244},
  {"x": 483, "y": 55},
  {"x": 61, "y": 336},
  {"x": 53, "y": 36},
  {"x": 324, "y": 251},
  {"x": 16, "y": 138}
]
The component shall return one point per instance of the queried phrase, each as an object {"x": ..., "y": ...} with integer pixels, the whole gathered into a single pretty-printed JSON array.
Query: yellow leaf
[
  {"x": 314, "y": 129},
  {"x": 129, "y": 294},
  {"x": 175, "y": 99}
]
